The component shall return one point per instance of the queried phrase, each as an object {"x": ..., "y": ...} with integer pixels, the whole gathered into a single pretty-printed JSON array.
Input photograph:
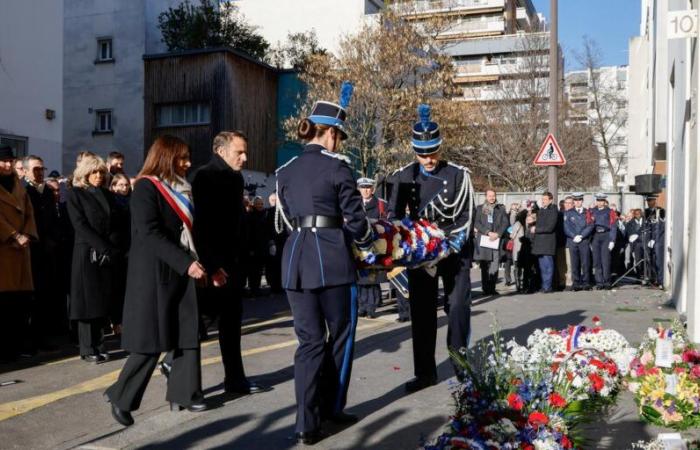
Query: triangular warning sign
[{"x": 550, "y": 153}]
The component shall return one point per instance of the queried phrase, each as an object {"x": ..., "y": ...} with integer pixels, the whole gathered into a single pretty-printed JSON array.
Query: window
[
  {"x": 103, "y": 121},
  {"x": 104, "y": 50},
  {"x": 182, "y": 114},
  {"x": 18, "y": 143}
]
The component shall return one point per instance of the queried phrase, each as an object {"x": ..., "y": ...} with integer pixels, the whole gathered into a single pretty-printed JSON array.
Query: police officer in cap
[
  {"x": 319, "y": 203},
  {"x": 578, "y": 228},
  {"x": 603, "y": 241},
  {"x": 369, "y": 293},
  {"x": 656, "y": 231},
  {"x": 441, "y": 192}
]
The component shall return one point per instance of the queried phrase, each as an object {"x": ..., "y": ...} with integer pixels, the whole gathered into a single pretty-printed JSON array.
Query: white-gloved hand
[
  {"x": 578, "y": 238},
  {"x": 273, "y": 250},
  {"x": 634, "y": 237},
  {"x": 611, "y": 246},
  {"x": 651, "y": 243}
]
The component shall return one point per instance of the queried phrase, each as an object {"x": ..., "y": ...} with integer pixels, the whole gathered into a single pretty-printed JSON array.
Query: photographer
[{"x": 91, "y": 208}]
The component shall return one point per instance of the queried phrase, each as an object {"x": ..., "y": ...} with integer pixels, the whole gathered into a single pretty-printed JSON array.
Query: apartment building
[
  {"x": 610, "y": 86},
  {"x": 664, "y": 130},
  {"x": 493, "y": 43}
]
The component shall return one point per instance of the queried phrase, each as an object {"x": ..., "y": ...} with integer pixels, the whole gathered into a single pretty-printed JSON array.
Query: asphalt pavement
[{"x": 58, "y": 403}]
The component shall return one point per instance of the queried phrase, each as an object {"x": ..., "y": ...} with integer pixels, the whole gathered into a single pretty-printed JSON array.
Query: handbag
[{"x": 510, "y": 245}]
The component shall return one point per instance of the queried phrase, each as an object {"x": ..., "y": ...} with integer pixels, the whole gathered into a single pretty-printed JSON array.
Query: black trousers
[
  {"x": 601, "y": 258},
  {"x": 273, "y": 271},
  {"x": 368, "y": 298},
  {"x": 488, "y": 279},
  {"x": 184, "y": 382},
  {"x": 580, "y": 255},
  {"x": 637, "y": 250},
  {"x": 403, "y": 306},
  {"x": 423, "y": 290},
  {"x": 90, "y": 336},
  {"x": 324, "y": 322},
  {"x": 225, "y": 303},
  {"x": 14, "y": 323},
  {"x": 255, "y": 265}
]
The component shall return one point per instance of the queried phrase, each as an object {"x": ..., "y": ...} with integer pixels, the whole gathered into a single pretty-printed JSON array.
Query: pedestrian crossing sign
[{"x": 550, "y": 153}]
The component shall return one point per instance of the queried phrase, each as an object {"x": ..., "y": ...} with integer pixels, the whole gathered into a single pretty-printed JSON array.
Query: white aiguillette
[
  {"x": 664, "y": 353},
  {"x": 488, "y": 243}
]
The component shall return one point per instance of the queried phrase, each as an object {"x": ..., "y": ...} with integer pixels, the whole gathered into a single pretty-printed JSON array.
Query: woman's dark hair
[
  {"x": 308, "y": 130},
  {"x": 162, "y": 156}
]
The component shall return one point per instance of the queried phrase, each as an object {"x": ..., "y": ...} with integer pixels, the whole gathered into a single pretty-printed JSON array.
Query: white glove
[
  {"x": 634, "y": 237},
  {"x": 578, "y": 238},
  {"x": 611, "y": 245},
  {"x": 651, "y": 243}
]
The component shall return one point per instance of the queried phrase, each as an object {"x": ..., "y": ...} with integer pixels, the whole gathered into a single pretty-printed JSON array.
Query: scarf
[
  {"x": 182, "y": 187},
  {"x": 488, "y": 208}
]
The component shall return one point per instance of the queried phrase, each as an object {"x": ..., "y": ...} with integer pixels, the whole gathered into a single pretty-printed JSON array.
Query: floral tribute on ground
[
  {"x": 665, "y": 378},
  {"x": 534, "y": 397},
  {"x": 408, "y": 243}
]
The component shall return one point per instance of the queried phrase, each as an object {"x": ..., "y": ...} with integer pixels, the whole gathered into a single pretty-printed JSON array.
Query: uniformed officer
[
  {"x": 603, "y": 241},
  {"x": 578, "y": 228},
  {"x": 656, "y": 230},
  {"x": 318, "y": 201},
  {"x": 441, "y": 192},
  {"x": 369, "y": 293},
  {"x": 634, "y": 231}
]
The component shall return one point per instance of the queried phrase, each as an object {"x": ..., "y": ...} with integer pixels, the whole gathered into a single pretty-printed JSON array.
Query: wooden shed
[{"x": 195, "y": 94}]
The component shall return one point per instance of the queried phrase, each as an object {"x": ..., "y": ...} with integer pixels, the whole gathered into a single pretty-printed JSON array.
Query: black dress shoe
[
  {"x": 418, "y": 384},
  {"x": 402, "y": 319},
  {"x": 104, "y": 357},
  {"x": 308, "y": 437},
  {"x": 342, "y": 418},
  {"x": 123, "y": 417},
  {"x": 250, "y": 388},
  {"x": 164, "y": 368},
  {"x": 193, "y": 407}
]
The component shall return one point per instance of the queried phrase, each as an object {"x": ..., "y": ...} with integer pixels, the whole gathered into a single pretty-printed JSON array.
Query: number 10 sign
[{"x": 682, "y": 24}]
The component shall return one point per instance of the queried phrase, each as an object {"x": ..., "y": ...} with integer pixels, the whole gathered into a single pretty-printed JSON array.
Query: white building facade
[
  {"x": 609, "y": 118},
  {"x": 276, "y": 19},
  {"x": 104, "y": 44},
  {"x": 665, "y": 132},
  {"x": 31, "y": 68}
]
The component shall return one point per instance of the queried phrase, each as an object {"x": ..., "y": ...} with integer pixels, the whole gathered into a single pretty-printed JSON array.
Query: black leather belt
[{"x": 317, "y": 222}]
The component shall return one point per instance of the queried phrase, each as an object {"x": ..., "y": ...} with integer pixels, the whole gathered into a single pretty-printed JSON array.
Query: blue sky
[{"x": 609, "y": 22}]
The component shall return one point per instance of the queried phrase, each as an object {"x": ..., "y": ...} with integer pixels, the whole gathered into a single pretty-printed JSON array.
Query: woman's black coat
[
  {"x": 91, "y": 213},
  {"x": 160, "y": 308}
]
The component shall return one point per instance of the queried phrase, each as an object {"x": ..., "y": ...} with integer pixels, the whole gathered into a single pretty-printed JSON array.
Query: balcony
[
  {"x": 465, "y": 72},
  {"x": 418, "y": 9},
  {"x": 473, "y": 27},
  {"x": 523, "y": 18}
]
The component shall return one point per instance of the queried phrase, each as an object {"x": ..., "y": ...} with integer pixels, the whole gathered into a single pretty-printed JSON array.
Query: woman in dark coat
[
  {"x": 91, "y": 208},
  {"x": 160, "y": 309},
  {"x": 490, "y": 220},
  {"x": 121, "y": 190}
]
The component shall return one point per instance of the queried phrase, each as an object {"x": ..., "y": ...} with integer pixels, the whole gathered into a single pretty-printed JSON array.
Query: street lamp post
[{"x": 552, "y": 175}]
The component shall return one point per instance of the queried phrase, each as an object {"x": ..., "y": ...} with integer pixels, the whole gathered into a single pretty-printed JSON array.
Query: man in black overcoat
[
  {"x": 545, "y": 240},
  {"x": 217, "y": 188}
]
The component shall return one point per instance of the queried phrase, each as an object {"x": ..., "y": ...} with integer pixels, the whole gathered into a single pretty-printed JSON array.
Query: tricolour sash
[{"x": 180, "y": 204}]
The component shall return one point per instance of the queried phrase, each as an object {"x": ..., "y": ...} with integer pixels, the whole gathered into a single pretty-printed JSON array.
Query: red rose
[
  {"x": 527, "y": 447},
  {"x": 596, "y": 330},
  {"x": 597, "y": 381},
  {"x": 556, "y": 400},
  {"x": 691, "y": 356},
  {"x": 653, "y": 371},
  {"x": 537, "y": 419},
  {"x": 611, "y": 368},
  {"x": 515, "y": 402},
  {"x": 598, "y": 364},
  {"x": 565, "y": 442},
  {"x": 695, "y": 371}
]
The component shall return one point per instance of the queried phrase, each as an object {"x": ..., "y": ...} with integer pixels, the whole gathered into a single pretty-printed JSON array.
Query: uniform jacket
[
  {"x": 91, "y": 211},
  {"x": 482, "y": 226},
  {"x": 656, "y": 222},
  {"x": 16, "y": 215},
  {"x": 376, "y": 208},
  {"x": 545, "y": 239},
  {"x": 577, "y": 224},
  {"x": 217, "y": 192},
  {"x": 604, "y": 221},
  {"x": 320, "y": 183},
  {"x": 160, "y": 308},
  {"x": 446, "y": 191}
]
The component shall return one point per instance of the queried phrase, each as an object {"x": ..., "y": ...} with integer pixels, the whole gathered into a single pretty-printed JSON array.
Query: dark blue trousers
[
  {"x": 580, "y": 255},
  {"x": 423, "y": 300},
  {"x": 601, "y": 258},
  {"x": 324, "y": 322},
  {"x": 546, "y": 270}
]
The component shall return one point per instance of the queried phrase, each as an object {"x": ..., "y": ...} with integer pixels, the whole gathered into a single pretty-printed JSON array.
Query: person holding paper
[{"x": 490, "y": 222}]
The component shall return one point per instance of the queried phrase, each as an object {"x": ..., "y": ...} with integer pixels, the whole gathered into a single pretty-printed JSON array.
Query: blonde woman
[{"x": 90, "y": 208}]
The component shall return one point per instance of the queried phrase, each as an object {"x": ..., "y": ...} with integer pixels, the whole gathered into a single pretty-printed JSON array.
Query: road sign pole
[{"x": 552, "y": 181}]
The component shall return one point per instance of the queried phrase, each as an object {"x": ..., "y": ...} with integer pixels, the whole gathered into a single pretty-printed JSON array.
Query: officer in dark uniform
[
  {"x": 656, "y": 231},
  {"x": 441, "y": 192},
  {"x": 578, "y": 228},
  {"x": 369, "y": 292},
  {"x": 604, "y": 235},
  {"x": 633, "y": 231},
  {"x": 318, "y": 201}
]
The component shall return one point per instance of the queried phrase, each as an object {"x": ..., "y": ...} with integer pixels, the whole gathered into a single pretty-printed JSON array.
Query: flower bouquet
[
  {"x": 665, "y": 378},
  {"x": 405, "y": 243}
]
